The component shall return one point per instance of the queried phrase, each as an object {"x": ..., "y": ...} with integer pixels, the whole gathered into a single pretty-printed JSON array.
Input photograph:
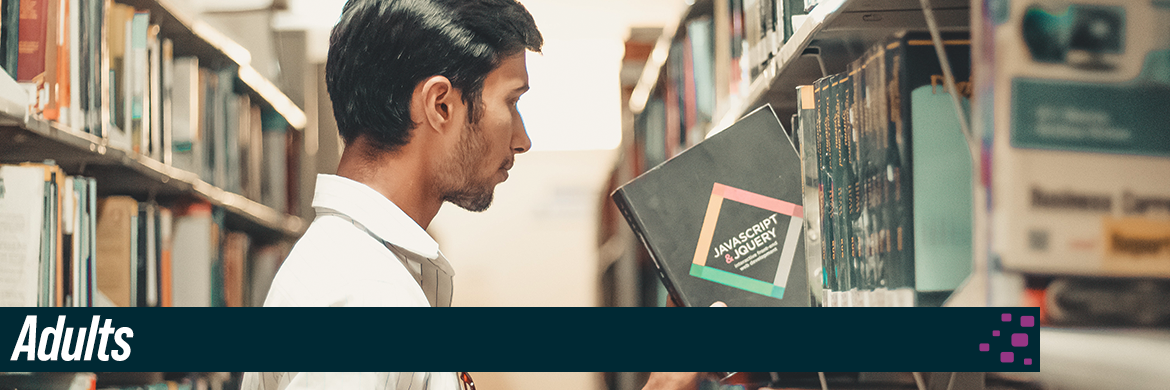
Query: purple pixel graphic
[
  {"x": 1006, "y": 317},
  {"x": 984, "y": 347},
  {"x": 1019, "y": 339},
  {"x": 1007, "y": 357},
  {"x": 1027, "y": 361},
  {"x": 995, "y": 333},
  {"x": 1027, "y": 321}
]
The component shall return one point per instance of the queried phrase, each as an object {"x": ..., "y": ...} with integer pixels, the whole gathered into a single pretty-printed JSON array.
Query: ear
[{"x": 440, "y": 103}]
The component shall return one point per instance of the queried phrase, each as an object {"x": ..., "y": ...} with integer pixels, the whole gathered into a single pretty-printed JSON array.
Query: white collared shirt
[{"x": 345, "y": 259}]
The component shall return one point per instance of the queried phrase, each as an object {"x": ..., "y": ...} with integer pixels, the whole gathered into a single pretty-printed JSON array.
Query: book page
[{"x": 22, "y": 191}]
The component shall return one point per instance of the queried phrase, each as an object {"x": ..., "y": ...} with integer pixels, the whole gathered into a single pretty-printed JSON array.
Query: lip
[{"x": 505, "y": 173}]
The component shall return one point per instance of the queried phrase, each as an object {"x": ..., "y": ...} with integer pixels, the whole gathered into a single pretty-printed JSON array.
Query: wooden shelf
[{"x": 128, "y": 173}]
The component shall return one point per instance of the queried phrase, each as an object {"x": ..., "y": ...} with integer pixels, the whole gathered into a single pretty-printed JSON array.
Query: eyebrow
[{"x": 522, "y": 89}]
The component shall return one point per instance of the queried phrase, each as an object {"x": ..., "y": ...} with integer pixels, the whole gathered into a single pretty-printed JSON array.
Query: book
[
  {"x": 117, "y": 249},
  {"x": 811, "y": 195},
  {"x": 192, "y": 255},
  {"x": 235, "y": 257},
  {"x": 33, "y": 36},
  {"x": 186, "y": 135},
  {"x": 22, "y": 205},
  {"x": 10, "y": 35},
  {"x": 722, "y": 221}
]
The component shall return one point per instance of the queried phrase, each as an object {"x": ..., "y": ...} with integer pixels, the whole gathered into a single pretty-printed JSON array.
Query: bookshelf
[
  {"x": 29, "y": 138},
  {"x": 210, "y": 232},
  {"x": 127, "y": 173},
  {"x": 832, "y": 35}
]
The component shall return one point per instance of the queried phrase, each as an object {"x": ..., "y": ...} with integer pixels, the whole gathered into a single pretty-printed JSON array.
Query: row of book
[
  {"x": 767, "y": 25},
  {"x": 682, "y": 109},
  {"x": 65, "y": 246},
  {"x": 107, "y": 69},
  {"x": 888, "y": 175}
]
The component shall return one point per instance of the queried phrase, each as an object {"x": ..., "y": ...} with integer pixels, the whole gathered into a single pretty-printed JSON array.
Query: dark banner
[{"x": 520, "y": 339}]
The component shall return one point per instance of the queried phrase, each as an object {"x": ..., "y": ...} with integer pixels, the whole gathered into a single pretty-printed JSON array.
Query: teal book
[{"x": 9, "y": 35}]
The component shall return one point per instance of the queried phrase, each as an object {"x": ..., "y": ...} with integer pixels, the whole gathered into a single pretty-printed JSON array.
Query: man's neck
[{"x": 400, "y": 176}]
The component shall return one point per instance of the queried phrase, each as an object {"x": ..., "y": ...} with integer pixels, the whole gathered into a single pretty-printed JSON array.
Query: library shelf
[
  {"x": 832, "y": 35},
  {"x": 28, "y": 137},
  {"x": 123, "y": 172},
  {"x": 193, "y": 37}
]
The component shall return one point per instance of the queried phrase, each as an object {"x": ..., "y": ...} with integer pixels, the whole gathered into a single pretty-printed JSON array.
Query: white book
[
  {"x": 21, "y": 219},
  {"x": 192, "y": 257},
  {"x": 166, "y": 83},
  {"x": 139, "y": 76},
  {"x": 185, "y": 145},
  {"x": 151, "y": 255},
  {"x": 153, "y": 112}
]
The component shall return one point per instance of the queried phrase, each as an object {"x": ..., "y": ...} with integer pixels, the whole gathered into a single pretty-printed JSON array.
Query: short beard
[{"x": 458, "y": 184}]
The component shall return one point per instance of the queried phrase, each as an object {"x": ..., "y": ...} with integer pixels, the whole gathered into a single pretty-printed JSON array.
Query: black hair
[{"x": 381, "y": 49}]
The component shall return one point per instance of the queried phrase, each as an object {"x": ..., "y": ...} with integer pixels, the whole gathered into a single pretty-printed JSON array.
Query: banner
[{"x": 520, "y": 339}]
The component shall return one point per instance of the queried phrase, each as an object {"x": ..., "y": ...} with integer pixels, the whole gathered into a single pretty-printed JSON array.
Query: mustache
[{"x": 507, "y": 165}]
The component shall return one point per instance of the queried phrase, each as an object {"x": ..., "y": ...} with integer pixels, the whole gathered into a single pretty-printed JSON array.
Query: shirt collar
[{"x": 377, "y": 213}]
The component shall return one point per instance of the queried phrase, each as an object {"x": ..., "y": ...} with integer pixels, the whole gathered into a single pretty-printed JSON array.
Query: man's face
[{"x": 487, "y": 148}]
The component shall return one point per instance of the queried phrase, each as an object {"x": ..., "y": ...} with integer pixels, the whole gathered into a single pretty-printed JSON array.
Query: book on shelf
[
  {"x": 117, "y": 249},
  {"x": 109, "y": 69},
  {"x": 9, "y": 35},
  {"x": 767, "y": 26},
  {"x": 722, "y": 220},
  {"x": 63, "y": 246},
  {"x": 813, "y": 199},
  {"x": 894, "y": 176}
]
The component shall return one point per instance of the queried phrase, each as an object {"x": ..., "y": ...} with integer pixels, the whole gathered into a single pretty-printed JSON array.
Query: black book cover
[{"x": 723, "y": 221}]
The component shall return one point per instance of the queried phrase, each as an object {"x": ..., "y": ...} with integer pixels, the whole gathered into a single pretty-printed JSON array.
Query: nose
[{"x": 520, "y": 141}]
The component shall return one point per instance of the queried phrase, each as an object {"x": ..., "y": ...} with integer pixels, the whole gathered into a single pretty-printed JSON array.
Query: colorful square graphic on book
[{"x": 734, "y": 255}]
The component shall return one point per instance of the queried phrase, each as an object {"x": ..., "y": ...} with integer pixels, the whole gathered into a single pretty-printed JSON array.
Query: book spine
[
  {"x": 824, "y": 186},
  {"x": 623, "y": 205},
  {"x": 902, "y": 261},
  {"x": 10, "y": 36},
  {"x": 74, "y": 89},
  {"x": 51, "y": 81},
  {"x": 32, "y": 35},
  {"x": 91, "y": 268}
]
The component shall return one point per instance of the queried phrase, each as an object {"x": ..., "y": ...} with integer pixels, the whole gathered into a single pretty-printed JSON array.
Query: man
[{"x": 424, "y": 93}]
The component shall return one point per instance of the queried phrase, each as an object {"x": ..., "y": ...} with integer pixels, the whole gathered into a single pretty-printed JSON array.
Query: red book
[{"x": 33, "y": 33}]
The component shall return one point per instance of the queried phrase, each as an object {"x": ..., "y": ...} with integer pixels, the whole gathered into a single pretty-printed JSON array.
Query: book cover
[{"x": 723, "y": 220}]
